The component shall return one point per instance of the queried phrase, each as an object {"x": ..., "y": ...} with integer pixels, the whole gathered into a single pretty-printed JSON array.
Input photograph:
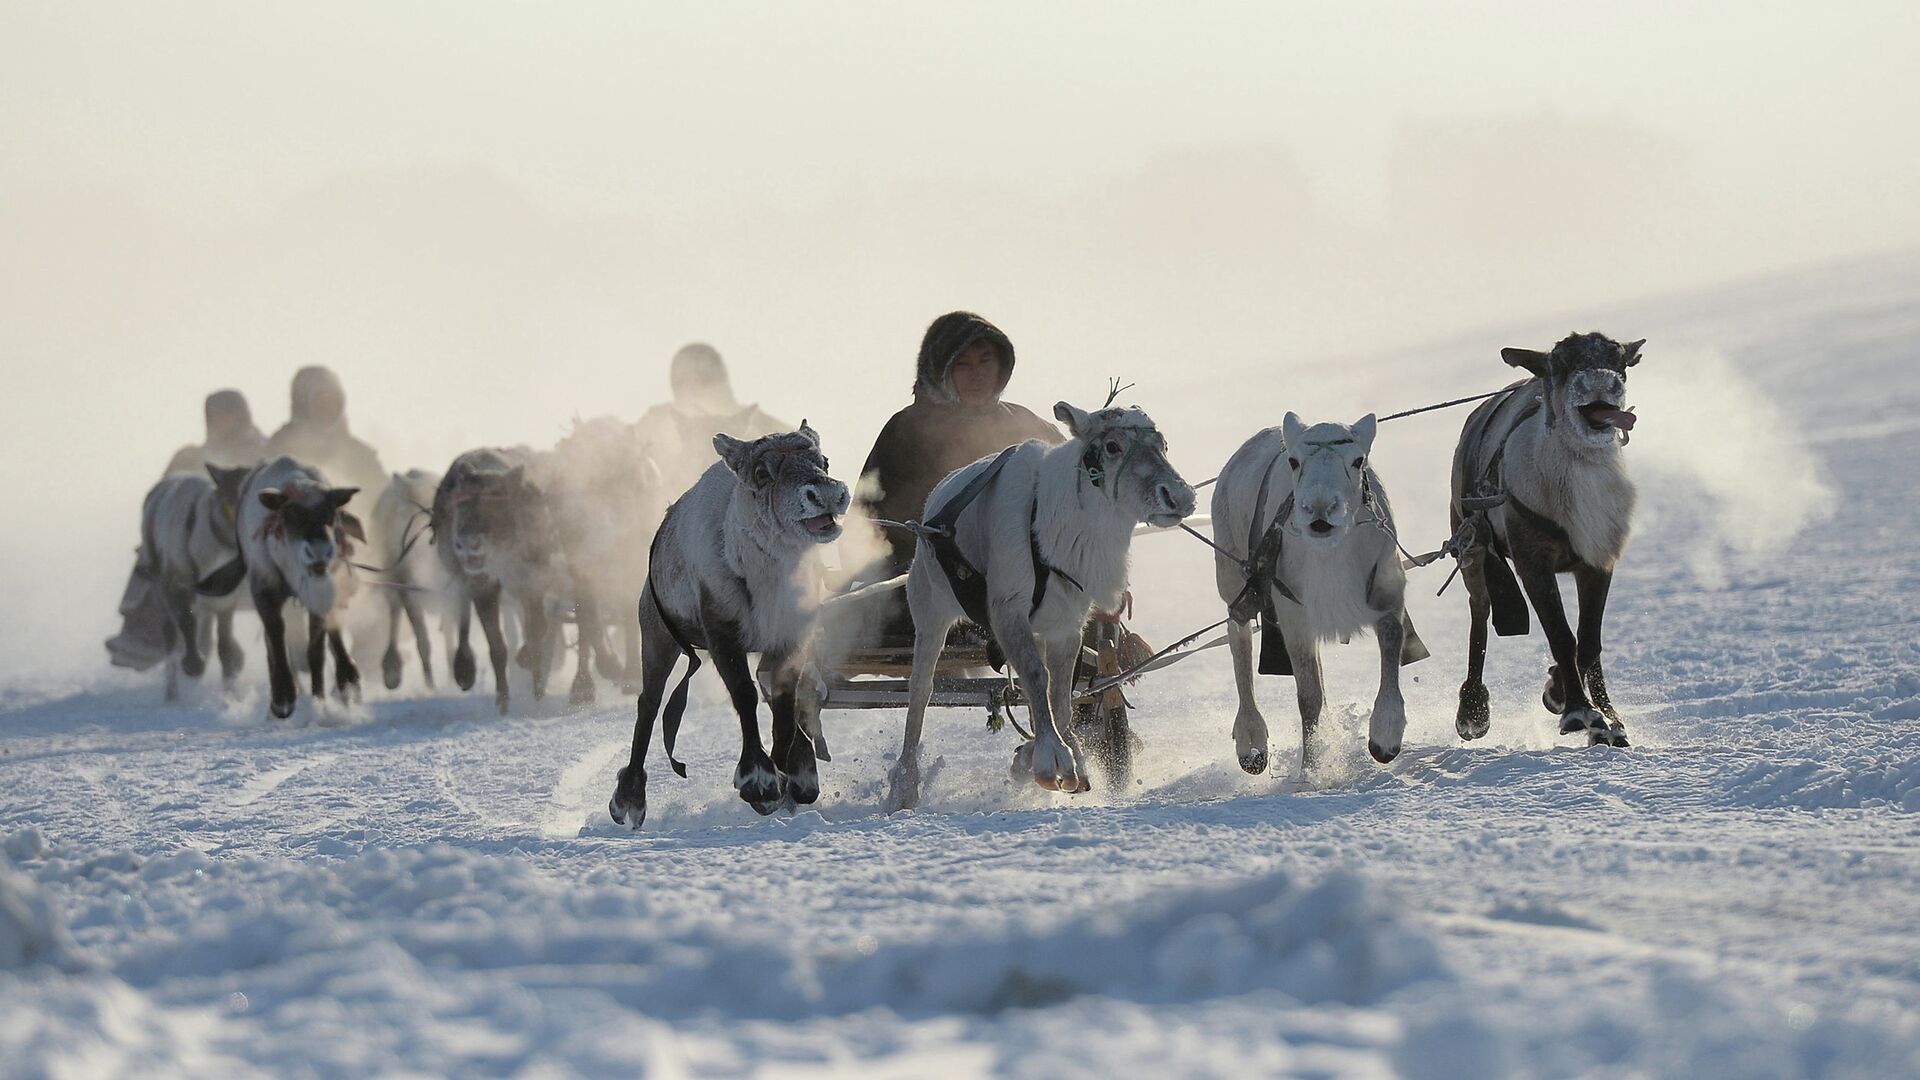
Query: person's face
[{"x": 976, "y": 373}]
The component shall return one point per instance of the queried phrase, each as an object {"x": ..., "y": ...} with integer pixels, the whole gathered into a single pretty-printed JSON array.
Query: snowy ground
[{"x": 420, "y": 886}]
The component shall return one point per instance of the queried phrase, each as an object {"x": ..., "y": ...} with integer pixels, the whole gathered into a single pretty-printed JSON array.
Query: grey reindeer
[
  {"x": 1539, "y": 474},
  {"x": 189, "y": 534},
  {"x": 735, "y": 569}
]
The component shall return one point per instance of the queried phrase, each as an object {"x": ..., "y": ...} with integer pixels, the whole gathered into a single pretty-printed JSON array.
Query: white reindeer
[
  {"x": 294, "y": 536},
  {"x": 1040, "y": 536},
  {"x": 189, "y": 537},
  {"x": 1309, "y": 546},
  {"x": 736, "y": 570},
  {"x": 1547, "y": 454}
]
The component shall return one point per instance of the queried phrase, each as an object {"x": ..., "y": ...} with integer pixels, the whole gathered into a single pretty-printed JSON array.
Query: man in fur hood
[
  {"x": 316, "y": 434},
  {"x": 957, "y": 417},
  {"x": 232, "y": 438},
  {"x": 679, "y": 434}
]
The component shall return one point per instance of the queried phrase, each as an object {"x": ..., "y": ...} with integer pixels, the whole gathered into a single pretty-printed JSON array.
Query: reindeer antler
[{"x": 1114, "y": 390}]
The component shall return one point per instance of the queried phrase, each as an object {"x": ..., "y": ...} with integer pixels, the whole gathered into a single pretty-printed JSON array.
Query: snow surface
[{"x": 417, "y": 886}]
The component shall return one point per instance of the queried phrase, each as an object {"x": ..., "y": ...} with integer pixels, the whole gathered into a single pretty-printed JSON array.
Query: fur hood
[{"x": 949, "y": 335}]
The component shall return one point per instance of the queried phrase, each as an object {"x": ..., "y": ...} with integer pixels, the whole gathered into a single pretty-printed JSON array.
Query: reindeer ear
[
  {"x": 337, "y": 497},
  {"x": 273, "y": 499},
  {"x": 1632, "y": 352},
  {"x": 1363, "y": 431},
  {"x": 352, "y": 527},
  {"x": 1293, "y": 431},
  {"x": 734, "y": 452},
  {"x": 1536, "y": 362},
  {"x": 1076, "y": 420},
  {"x": 811, "y": 434}
]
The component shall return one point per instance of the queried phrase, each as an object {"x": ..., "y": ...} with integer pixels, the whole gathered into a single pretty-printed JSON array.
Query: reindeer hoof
[
  {"x": 500, "y": 700},
  {"x": 759, "y": 785},
  {"x": 463, "y": 669},
  {"x": 281, "y": 709},
  {"x": 1381, "y": 755},
  {"x": 1575, "y": 721},
  {"x": 1253, "y": 762},
  {"x": 390, "y": 669},
  {"x": 193, "y": 666},
  {"x": 581, "y": 694},
  {"x": 1613, "y": 734},
  {"x": 1551, "y": 697},
  {"x": 1476, "y": 712},
  {"x": 903, "y": 786},
  {"x": 629, "y": 803}
]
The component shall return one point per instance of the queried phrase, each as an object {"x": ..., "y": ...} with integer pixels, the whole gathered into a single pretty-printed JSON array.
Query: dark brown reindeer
[{"x": 1539, "y": 473}]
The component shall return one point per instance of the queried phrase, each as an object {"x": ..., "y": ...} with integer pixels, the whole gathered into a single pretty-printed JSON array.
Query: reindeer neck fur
[
  {"x": 1332, "y": 580},
  {"x": 1082, "y": 529},
  {"x": 1582, "y": 486},
  {"x": 781, "y": 574}
]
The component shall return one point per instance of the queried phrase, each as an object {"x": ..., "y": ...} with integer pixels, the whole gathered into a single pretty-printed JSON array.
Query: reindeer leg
[
  {"x": 346, "y": 674},
  {"x": 1576, "y": 715},
  {"x": 1063, "y": 655},
  {"x": 192, "y": 662},
  {"x": 1303, "y": 651},
  {"x": 271, "y": 604},
  {"x": 539, "y": 647},
  {"x": 317, "y": 654},
  {"x": 1249, "y": 727},
  {"x": 1476, "y": 710},
  {"x": 417, "y": 618},
  {"x": 1388, "y": 725},
  {"x": 792, "y": 749},
  {"x": 1053, "y": 764},
  {"x": 658, "y": 653},
  {"x": 390, "y": 660},
  {"x": 586, "y": 619},
  {"x": 232, "y": 659},
  {"x": 903, "y": 780},
  {"x": 463, "y": 665},
  {"x": 754, "y": 777},
  {"x": 169, "y": 632},
  {"x": 486, "y": 603},
  {"x": 1592, "y": 586}
]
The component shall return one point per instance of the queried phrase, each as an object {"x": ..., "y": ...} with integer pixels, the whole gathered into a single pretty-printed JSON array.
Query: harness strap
[{"x": 1043, "y": 570}]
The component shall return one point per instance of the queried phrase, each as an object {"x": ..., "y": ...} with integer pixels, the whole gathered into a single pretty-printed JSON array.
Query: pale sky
[{"x": 491, "y": 218}]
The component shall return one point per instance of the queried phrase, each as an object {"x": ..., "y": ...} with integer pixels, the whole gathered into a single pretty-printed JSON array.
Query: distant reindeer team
[{"x": 1026, "y": 544}]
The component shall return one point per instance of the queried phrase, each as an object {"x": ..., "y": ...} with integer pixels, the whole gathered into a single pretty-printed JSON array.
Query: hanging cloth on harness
[
  {"x": 676, "y": 701},
  {"x": 969, "y": 585}
]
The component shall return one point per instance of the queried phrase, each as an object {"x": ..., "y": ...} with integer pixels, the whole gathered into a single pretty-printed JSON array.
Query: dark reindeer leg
[
  {"x": 464, "y": 672},
  {"x": 1543, "y": 589},
  {"x": 792, "y": 749},
  {"x": 271, "y": 604},
  {"x": 346, "y": 674},
  {"x": 1592, "y": 586},
  {"x": 193, "y": 663},
  {"x": 658, "y": 654},
  {"x": 421, "y": 640},
  {"x": 755, "y": 777},
  {"x": 1476, "y": 710},
  {"x": 487, "y": 604},
  {"x": 317, "y": 653}
]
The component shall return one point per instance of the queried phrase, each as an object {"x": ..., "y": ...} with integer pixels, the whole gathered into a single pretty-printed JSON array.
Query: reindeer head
[
  {"x": 1330, "y": 476},
  {"x": 1125, "y": 454},
  {"x": 311, "y": 520},
  {"x": 488, "y": 515},
  {"x": 1586, "y": 386},
  {"x": 783, "y": 477}
]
